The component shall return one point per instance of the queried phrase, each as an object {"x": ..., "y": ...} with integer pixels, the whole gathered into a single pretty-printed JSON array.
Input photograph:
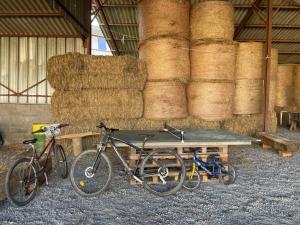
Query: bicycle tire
[
  {"x": 232, "y": 174},
  {"x": 1, "y": 139},
  {"x": 190, "y": 185},
  {"x": 61, "y": 161},
  {"x": 150, "y": 186},
  {"x": 79, "y": 187},
  {"x": 9, "y": 178}
]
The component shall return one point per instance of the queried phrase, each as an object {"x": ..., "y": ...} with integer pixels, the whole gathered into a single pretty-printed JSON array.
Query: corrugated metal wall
[{"x": 23, "y": 63}]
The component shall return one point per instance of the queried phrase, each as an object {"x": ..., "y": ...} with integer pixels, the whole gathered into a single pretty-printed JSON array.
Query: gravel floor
[{"x": 267, "y": 191}]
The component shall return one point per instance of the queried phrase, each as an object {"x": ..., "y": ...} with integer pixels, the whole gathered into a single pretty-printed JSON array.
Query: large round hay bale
[
  {"x": 211, "y": 101},
  {"x": 212, "y": 20},
  {"x": 273, "y": 77},
  {"x": 284, "y": 85},
  {"x": 165, "y": 100},
  {"x": 163, "y": 17},
  {"x": 250, "y": 59},
  {"x": 213, "y": 61},
  {"x": 297, "y": 86},
  {"x": 166, "y": 58},
  {"x": 248, "y": 97}
]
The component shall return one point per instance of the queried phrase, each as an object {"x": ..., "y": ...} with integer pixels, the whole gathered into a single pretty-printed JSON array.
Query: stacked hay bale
[
  {"x": 213, "y": 55},
  {"x": 297, "y": 87},
  {"x": 164, "y": 46},
  {"x": 249, "y": 92},
  {"x": 284, "y": 85},
  {"x": 90, "y": 89},
  {"x": 272, "y": 92},
  {"x": 248, "y": 97}
]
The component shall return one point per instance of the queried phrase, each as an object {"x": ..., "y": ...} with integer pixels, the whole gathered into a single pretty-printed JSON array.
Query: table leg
[{"x": 77, "y": 146}]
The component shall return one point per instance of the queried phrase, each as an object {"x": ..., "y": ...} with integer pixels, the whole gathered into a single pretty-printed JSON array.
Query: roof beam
[
  {"x": 83, "y": 29},
  {"x": 105, "y": 22},
  {"x": 274, "y": 41},
  {"x": 246, "y": 19},
  {"x": 289, "y": 53},
  {"x": 121, "y": 24},
  {"x": 247, "y": 25},
  {"x": 38, "y": 35},
  {"x": 247, "y": 6},
  {"x": 30, "y": 15},
  {"x": 242, "y": 6},
  {"x": 281, "y": 52},
  {"x": 289, "y": 26}
]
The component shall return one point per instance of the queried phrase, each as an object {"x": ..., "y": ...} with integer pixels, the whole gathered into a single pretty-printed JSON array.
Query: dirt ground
[{"x": 267, "y": 191}]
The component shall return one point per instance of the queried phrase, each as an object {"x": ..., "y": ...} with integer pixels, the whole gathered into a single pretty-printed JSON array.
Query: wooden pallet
[
  {"x": 186, "y": 154},
  {"x": 284, "y": 146},
  {"x": 155, "y": 179}
]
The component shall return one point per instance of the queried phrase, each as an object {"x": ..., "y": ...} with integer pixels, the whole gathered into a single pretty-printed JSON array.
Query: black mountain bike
[
  {"x": 22, "y": 179},
  {"x": 91, "y": 171}
]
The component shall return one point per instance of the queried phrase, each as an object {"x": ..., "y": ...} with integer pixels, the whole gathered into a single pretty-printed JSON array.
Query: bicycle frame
[
  {"x": 204, "y": 165},
  {"x": 49, "y": 146},
  {"x": 109, "y": 139}
]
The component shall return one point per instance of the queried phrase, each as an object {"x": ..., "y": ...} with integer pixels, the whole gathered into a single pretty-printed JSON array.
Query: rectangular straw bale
[
  {"x": 245, "y": 124},
  {"x": 74, "y": 71},
  {"x": 249, "y": 124},
  {"x": 72, "y": 106},
  {"x": 194, "y": 123}
]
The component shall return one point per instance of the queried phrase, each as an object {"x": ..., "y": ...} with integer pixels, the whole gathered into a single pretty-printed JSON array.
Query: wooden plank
[
  {"x": 80, "y": 135},
  {"x": 283, "y": 145}
]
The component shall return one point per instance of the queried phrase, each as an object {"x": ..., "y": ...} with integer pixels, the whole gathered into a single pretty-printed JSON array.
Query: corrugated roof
[
  {"x": 123, "y": 25},
  {"x": 33, "y": 18}
]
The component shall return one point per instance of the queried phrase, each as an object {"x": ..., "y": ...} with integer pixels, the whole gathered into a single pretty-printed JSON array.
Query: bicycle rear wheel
[
  {"x": 21, "y": 182},
  {"x": 86, "y": 181},
  {"x": 227, "y": 174},
  {"x": 163, "y": 172},
  {"x": 61, "y": 161}
]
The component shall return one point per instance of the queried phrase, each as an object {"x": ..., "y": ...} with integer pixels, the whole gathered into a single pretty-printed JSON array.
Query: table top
[{"x": 191, "y": 138}]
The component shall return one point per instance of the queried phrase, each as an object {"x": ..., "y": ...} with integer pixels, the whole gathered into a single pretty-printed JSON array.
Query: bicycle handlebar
[
  {"x": 43, "y": 129},
  {"x": 102, "y": 125}
]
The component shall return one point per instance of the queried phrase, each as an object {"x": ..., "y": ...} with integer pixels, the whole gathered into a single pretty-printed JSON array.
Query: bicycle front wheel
[
  {"x": 21, "y": 182},
  {"x": 163, "y": 172},
  {"x": 61, "y": 161},
  {"x": 193, "y": 180},
  {"x": 227, "y": 174},
  {"x": 87, "y": 181}
]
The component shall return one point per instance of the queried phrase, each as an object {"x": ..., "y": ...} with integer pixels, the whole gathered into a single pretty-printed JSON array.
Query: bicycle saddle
[{"x": 32, "y": 141}]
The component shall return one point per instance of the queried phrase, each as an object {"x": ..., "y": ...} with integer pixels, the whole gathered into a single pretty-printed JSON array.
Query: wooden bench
[
  {"x": 284, "y": 146},
  {"x": 77, "y": 140}
]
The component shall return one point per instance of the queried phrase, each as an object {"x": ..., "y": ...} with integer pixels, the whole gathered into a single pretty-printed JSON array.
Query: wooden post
[
  {"x": 267, "y": 109},
  {"x": 77, "y": 146}
]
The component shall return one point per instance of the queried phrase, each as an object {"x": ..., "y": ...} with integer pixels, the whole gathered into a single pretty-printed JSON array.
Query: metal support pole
[
  {"x": 88, "y": 39},
  {"x": 267, "y": 109}
]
